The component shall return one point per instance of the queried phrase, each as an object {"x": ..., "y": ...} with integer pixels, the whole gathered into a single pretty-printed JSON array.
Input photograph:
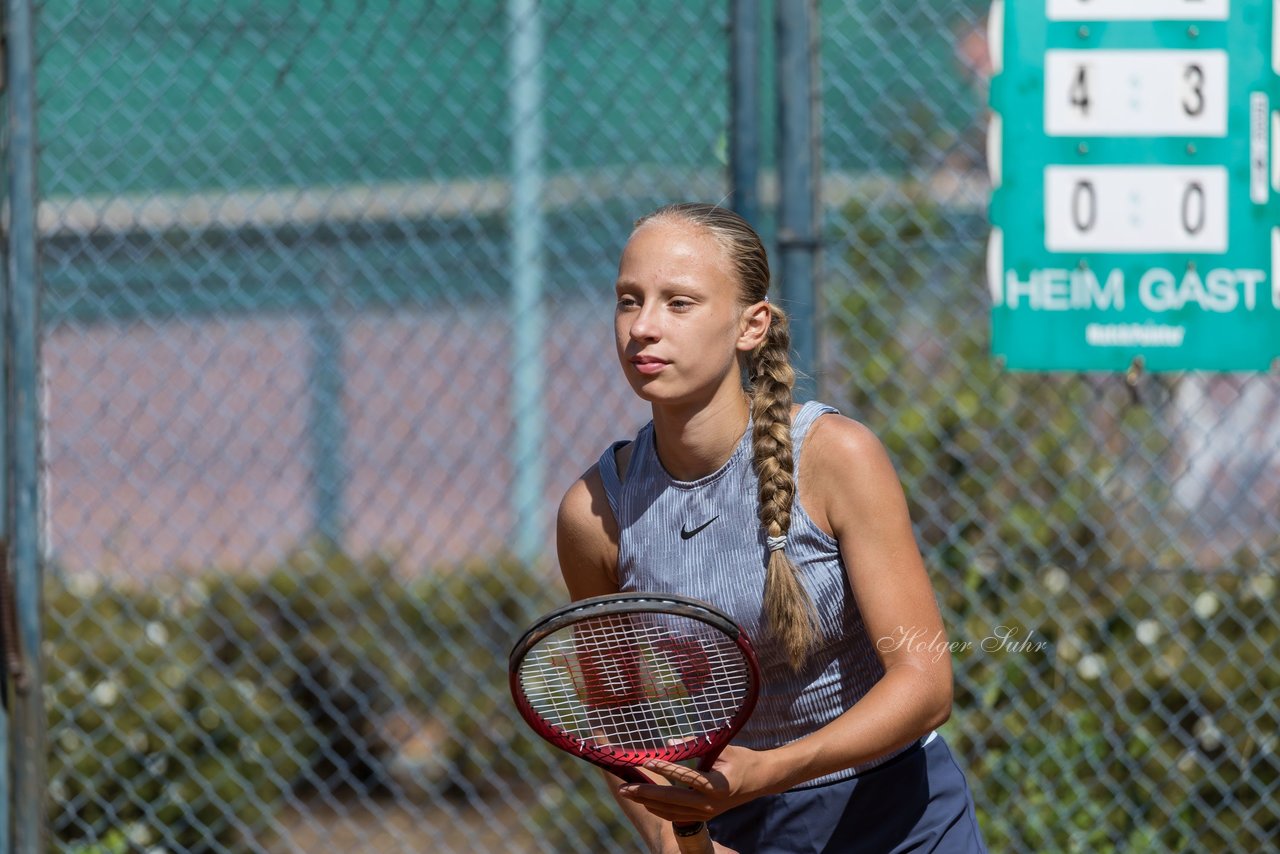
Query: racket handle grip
[{"x": 693, "y": 838}]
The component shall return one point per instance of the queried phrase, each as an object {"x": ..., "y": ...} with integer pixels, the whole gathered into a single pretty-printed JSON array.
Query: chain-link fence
[
  {"x": 283, "y": 361},
  {"x": 316, "y": 372},
  {"x": 1105, "y": 547}
]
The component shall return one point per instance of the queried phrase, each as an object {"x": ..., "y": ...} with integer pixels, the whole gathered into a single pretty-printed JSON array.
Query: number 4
[{"x": 1080, "y": 91}]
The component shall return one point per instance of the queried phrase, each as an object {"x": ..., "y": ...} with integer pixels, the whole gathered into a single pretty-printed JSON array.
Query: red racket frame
[{"x": 620, "y": 762}]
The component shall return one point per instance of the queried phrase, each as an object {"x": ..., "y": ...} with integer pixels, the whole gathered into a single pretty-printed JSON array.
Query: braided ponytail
[{"x": 789, "y": 612}]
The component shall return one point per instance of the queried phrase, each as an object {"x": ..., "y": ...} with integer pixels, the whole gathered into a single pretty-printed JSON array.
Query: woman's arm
[
  {"x": 857, "y": 493},
  {"x": 587, "y": 548},
  {"x": 850, "y": 489},
  {"x": 587, "y": 539}
]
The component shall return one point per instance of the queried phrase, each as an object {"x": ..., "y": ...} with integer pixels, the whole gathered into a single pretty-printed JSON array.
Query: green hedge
[
  {"x": 149, "y": 736},
  {"x": 1145, "y": 722},
  {"x": 190, "y": 716},
  {"x": 189, "y": 712}
]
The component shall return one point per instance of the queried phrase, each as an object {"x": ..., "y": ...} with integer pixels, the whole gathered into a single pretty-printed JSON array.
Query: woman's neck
[{"x": 694, "y": 442}]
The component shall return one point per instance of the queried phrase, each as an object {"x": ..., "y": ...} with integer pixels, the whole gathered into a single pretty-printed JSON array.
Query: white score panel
[
  {"x": 1136, "y": 209},
  {"x": 1138, "y": 10},
  {"x": 1139, "y": 93}
]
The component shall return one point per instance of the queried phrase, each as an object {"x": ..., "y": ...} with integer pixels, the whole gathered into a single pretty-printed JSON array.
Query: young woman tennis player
[{"x": 791, "y": 520}]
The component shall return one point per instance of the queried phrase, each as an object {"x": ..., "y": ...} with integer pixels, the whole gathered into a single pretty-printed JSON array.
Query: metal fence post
[
  {"x": 6, "y": 502},
  {"x": 744, "y": 116},
  {"x": 28, "y": 744},
  {"x": 795, "y": 26},
  {"x": 527, "y": 240},
  {"x": 327, "y": 419},
  {"x": 6, "y": 587}
]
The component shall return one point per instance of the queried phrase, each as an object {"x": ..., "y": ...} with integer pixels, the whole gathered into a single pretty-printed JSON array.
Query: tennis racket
[{"x": 622, "y": 679}]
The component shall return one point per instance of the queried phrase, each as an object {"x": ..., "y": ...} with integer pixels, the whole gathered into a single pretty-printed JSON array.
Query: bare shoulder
[
  {"x": 584, "y": 515},
  {"x": 835, "y": 439},
  {"x": 846, "y": 474},
  {"x": 587, "y": 538}
]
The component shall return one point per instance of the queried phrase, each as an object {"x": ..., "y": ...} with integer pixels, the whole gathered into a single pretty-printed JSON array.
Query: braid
[{"x": 789, "y": 611}]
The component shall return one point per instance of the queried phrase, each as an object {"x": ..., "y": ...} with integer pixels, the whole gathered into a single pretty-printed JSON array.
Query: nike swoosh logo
[{"x": 684, "y": 535}]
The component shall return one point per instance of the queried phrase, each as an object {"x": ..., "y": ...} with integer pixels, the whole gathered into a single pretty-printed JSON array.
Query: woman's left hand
[{"x": 738, "y": 775}]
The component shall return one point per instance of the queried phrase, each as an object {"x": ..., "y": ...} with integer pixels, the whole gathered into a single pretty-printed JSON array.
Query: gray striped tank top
[{"x": 703, "y": 538}]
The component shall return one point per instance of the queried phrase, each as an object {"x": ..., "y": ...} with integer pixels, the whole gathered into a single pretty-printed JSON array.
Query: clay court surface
[{"x": 184, "y": 446}]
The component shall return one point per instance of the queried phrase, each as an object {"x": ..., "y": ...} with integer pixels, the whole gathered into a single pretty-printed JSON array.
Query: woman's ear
[{"x": 754, "y": 327}]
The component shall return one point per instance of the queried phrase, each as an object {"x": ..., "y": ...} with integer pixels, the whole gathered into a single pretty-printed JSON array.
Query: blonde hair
[{"x": 790, "y": 616}]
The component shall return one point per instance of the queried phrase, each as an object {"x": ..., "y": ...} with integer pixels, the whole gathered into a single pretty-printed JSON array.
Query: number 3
[{"x": 1194, "y": 76}]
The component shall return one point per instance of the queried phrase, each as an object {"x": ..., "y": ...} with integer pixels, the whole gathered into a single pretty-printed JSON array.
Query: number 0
[
  {"x": 1084, "y": 206},
  {"x": 1193, "y": 213}
]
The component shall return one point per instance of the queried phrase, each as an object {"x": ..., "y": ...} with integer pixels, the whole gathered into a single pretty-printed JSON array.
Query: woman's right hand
[{"x": 672, "y": 848}]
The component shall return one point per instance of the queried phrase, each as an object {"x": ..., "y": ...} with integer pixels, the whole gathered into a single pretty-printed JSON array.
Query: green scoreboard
[{"x": 1134, "y": 152}]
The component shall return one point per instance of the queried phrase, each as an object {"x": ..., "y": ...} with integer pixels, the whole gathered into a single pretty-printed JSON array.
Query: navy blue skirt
[{"x": 918, "y": 801}]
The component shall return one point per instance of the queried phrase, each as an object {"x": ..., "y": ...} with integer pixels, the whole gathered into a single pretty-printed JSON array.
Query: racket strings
[{"x": 636, "y": 690}]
